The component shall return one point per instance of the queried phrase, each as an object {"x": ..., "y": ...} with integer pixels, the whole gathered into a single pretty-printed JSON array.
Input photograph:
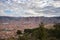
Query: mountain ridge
[{"x": 34, "y": 19}]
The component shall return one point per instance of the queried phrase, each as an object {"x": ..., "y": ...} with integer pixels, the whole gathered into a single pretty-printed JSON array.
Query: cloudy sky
[{"x": 27, "y": 8}]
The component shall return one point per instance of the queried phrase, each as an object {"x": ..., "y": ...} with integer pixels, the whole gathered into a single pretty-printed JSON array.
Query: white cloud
[
  {"x": 56, "y": 4},
  {"x": 30, "y": 8}
]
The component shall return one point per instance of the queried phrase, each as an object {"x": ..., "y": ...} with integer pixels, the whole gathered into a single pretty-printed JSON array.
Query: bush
[{"x": 18, "y": 32}]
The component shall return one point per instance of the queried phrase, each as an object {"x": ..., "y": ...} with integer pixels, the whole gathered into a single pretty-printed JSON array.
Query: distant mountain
[{"x": 31, "y": 19}]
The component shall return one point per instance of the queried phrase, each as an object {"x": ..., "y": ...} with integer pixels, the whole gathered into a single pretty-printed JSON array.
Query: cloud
[
  {"x": 56, "y": 3},
  {"x": 56, "y": 0},
  {"x": 28, "y": 8}
]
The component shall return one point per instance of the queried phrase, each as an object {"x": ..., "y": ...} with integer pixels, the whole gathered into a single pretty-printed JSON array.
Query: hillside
[{"x": 9, "y": 25}]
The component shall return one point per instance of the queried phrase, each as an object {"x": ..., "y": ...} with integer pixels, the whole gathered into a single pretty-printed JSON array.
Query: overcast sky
[{"x": 27, "y": 8}]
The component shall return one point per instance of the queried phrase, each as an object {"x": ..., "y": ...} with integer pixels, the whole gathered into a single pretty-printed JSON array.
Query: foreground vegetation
[{"x": 40, "y": 33}]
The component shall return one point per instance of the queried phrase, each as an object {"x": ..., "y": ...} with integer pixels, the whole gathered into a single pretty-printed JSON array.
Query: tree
[
  {"x": 40, "y": 33},
  {"x": 18, "y": 32},
  {"x": 43, "y": 33},
  {"x": 57, "y": 30},
  {"x": 28, "y": 31},
  {"x": 57, "y": 26}
]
